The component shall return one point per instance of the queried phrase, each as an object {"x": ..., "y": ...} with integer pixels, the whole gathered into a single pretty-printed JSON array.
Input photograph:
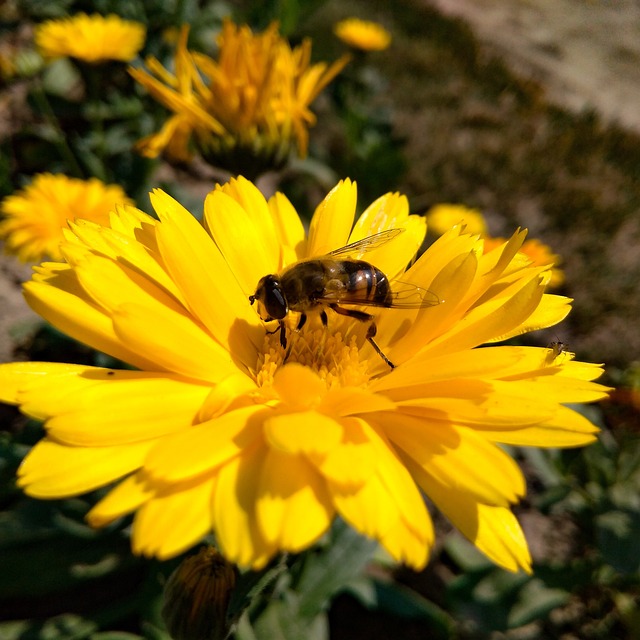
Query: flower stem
[{"x": 61, "y": 143}]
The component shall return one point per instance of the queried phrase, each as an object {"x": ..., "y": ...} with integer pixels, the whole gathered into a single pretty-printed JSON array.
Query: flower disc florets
[{"x": 222, "y": 429}]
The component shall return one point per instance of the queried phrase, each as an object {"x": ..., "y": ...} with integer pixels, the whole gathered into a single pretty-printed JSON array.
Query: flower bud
[{"x": 196, "y": 597}]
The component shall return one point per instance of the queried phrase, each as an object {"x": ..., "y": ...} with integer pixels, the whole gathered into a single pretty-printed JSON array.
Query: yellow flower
[
  {"x": 36, "y": 215},
  {"x": 250, "y": 105},
  {"x": 221, "y": 429},
  {"x": 442, "y": 217},
  {"x": 538, "y": 253},
  {"x": 363, "y": 34},
  {"x": 91, "y": 38}
]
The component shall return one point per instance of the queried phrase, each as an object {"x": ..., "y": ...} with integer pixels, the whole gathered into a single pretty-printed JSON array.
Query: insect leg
[
  {"x": 371, "y": 332},
  {"x": 323, "y": 317},
  {"x": 301, "y": 322},
  {"x": 352, "y": 313},
  {"x": 283, "y": 335}
]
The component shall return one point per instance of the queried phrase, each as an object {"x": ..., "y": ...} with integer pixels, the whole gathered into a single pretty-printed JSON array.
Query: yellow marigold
[
  {"x": 442, "y": 217},
  {"x": 538, "y": 253},
  {"x": 34, "y": 217},
  {"x": 221, "y": 428},
  {"x": 247, "y": 107},
  {"x": 91, "y": 38},
  {"x": 363, "y": 34}
]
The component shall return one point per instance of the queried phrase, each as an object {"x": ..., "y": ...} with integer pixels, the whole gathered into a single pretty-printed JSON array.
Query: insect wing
[
  {"x": 403, "y": 296},
  {"x": 360, "y": 247},
  {"x": 410, "y": 296}
]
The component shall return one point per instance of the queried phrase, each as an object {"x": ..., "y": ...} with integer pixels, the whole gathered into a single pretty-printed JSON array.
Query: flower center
[{"x": 333, "y": 356}]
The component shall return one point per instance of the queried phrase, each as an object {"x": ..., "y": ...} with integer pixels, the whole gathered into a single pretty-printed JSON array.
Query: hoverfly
[{"x": 337, "y": 281}]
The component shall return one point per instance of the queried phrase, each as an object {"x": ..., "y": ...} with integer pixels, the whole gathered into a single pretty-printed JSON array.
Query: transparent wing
[
  {"x": 356, "y": 249},
  {"x": 403, "y": 296}
]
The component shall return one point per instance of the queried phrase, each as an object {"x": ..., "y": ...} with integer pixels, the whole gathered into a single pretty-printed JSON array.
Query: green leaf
[
  {"x": 535, "y": 602},
  {"x": 326, "y": 572},
  {"x": 617, "y": 535},
  {"x": 281, "y": 621},
  {"x": 61, "y": 78},
  {"x": 115, "y": 635},
  {"x": 64, "y": 627},
  {"x": 465, "y": 555}
]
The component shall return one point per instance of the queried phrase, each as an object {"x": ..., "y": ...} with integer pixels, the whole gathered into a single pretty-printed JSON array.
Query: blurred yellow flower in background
[
  {"x": 34, "y": 217},
  {"x": 442, "y": 217},
  {"x": 363, "y": 34},
  {"x": 91, "y": 38},
  {"x": 248, "y": 107},
  {"x": 220, "y": 429}
]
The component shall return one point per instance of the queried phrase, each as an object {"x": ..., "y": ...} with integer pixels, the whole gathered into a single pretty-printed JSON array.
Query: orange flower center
[{"x": 333, "y": 357}]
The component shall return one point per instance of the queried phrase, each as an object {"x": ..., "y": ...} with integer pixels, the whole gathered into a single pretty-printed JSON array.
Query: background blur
[{"x": 528, "y": 110}]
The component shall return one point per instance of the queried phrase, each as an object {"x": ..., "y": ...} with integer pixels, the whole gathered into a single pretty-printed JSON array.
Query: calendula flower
[
  {"x": 363, "y": 34},
  {"x": 441, "y": 217},
  {"x": 247, "y": 108},
  {"x": 90, "y": 38},
  {"x": 537, "y": 253},
  {"x": 221, "y": 428},
  {"x": 35, "y": 216}
]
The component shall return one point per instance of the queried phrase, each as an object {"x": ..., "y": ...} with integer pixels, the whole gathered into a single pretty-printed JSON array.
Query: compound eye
[{"x": 274, "y": 300}]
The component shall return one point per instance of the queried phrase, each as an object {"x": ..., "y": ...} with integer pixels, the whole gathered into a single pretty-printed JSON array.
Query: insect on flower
[
  {"x": 555, "y": 350},
  {"x": 338, "y": 281}
]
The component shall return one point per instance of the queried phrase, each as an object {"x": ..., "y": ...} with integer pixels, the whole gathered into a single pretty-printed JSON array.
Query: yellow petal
[
  {"x": 251, "y": 200},
  {"x": 156, "y": 529},
  {"x": 111, "y": 284},
  {"x": 53, "y": 470},
  {"x": 66, "y": 310},
  {"x": 289, "y": 229},
  {"x": 404, "y": 546},
  {"x": 402, "y": 333},
  {"x": 293, "y": 506},
  {"x": 234, "y": 392},
  {"x": 348, "y": 401},
  {"x": 191, "y": 453},
  {"x": 240, "y": 238},
  {"x": 369, "y": 508},
  {"x": 350, "y": 464},
  {"x": 176, "y": 342},
  {"x": 567, "y": 428},
  {"x": 18, "y": 377},
  {"x": 306, "y": 432},
  {"x": 458, "y": 457},
  {"x": 483, "y": 406},
  {"x": 493, "y": 530},
  {"x": 206, "y": 281},
  {"x": 236, "y": 524},
  {"x": 551, "y": 310},
  {"x": 126, "y": 497},
  {"x": 553, "y": 388},
  {"x": 132, "y": 246},
  {"x": 493, "y": 318},
  {"x": 389, "y": 495},
  {"x": 332, "y": 220},
  {"x": 299, "y": 387},
  {"x": 140, "y": 407},
  {"x": 391, "y": 211}
]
